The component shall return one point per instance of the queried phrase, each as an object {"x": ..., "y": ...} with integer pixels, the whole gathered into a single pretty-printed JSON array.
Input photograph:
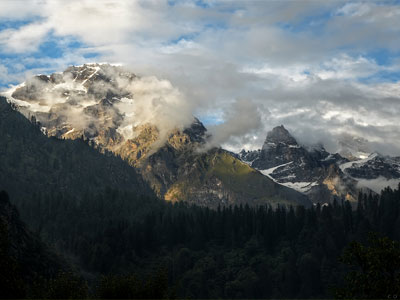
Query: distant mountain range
[
  {"x": 92, "y": 104},
  {"x": 320, "y": 175}
]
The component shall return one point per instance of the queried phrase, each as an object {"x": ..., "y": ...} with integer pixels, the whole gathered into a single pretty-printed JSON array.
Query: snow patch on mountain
[
  {"x": 298, "y": 186},
  {"x": 70, "y": 131},
  {"x": 357, "y": 162},
  {"x": 269, "y": 171},
  {"x": 96, "y": 69},
  {"x": 302, "y": 187}
]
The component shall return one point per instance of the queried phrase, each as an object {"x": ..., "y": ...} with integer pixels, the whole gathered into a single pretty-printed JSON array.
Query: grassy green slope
[{"x": 233, "y": 178}]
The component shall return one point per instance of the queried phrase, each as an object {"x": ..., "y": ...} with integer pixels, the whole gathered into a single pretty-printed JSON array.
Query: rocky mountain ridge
[{"x": 317, "y": 173}]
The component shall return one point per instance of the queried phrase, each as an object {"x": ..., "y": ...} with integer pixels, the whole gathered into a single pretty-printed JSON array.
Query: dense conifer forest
[{"x": 233, "y": 252}]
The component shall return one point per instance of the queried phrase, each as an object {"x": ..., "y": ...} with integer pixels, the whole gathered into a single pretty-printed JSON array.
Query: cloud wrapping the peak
[{"x": 156, "y": 102}]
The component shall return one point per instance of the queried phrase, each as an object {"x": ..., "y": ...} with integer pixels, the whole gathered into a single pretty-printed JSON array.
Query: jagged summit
[
  {"x": 196, "y": 131},
  {"x": 278, "y": 135}
]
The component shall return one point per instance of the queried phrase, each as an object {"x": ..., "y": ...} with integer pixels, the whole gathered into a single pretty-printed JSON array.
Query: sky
[{"x": 324, "y": 69}]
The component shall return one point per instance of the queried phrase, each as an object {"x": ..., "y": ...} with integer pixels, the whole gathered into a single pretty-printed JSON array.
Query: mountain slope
[
  {"x": 109, "y": 107},
  {"x": 33, "y": 163}
]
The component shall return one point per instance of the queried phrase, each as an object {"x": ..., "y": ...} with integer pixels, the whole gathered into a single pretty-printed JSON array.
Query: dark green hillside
[
  {"x": 26, "y": 263},
  {"x": 32, "y": 163}
]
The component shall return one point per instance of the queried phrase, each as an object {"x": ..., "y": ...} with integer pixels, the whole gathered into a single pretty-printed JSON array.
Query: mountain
[
  {"x": 32, "y": 163},
  {"x": 177, "y": 171},
  {"x": 138, "y": 119},
  {"x": 320, "y": 175},
  {"x": 374, "y": 172}
]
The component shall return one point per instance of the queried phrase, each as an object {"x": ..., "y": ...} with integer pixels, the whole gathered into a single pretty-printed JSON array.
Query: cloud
[
  {"x": 241, "y": 120},
  {"x": 156, "y": 102},
  {"x": 363, "y": 25},
  {"x": 19, "y": 10},
  {"x": 310, "y": 65},
  {"x": 26, "y": 38}
]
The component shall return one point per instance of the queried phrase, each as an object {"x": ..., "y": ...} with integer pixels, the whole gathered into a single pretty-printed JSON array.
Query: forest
[{"x": 127, "y": 246}]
